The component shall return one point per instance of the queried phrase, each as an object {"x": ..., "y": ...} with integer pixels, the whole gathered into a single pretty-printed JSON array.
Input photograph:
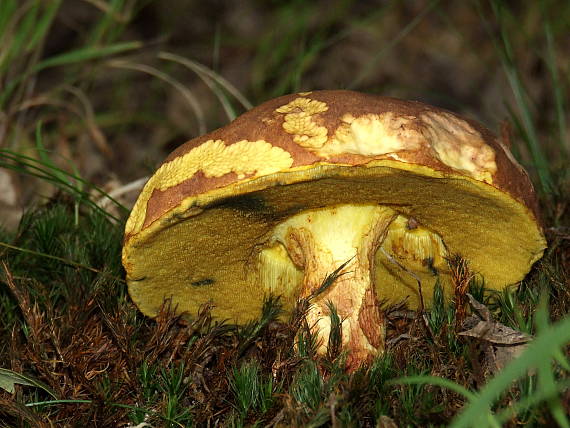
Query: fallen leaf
[
  {"x": 9, "y": 378},
  {"x": 501, "y": 344},
  {"x": 494, "y": 332}
]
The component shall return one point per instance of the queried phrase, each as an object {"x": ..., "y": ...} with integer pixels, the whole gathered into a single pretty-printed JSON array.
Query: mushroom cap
[{"x": 202, "y": 218}]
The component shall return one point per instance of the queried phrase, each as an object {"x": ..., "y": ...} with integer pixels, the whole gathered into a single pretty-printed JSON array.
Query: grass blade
[
  {"x": 531, "y": 401},
  {"x": 73, "y": 57},
  {"x": 505, "y": 51},
  {"x": 6, "y": 14},
  {"x": 9, "y": 378},
  {"x": 542, "y": 348},
  {"x": 370, "y": 67},
  {"x": 59, "y": 259},
  {"x": 557, "y": 85},
  {"x": 211, "y": 79},
  {"x": 434, "y": 380},
  {"x": 546, "y": 382},
  {"x": 184, "y": 91},
  {"x": 59, "y": 177},
  {"x": 44, "y": 24}
]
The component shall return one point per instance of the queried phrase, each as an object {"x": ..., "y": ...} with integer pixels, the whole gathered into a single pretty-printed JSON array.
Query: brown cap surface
[{"x": 203, "y": 216}]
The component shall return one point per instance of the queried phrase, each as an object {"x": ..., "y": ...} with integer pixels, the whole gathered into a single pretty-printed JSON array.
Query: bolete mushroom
[{"x": 306, "y": 183}]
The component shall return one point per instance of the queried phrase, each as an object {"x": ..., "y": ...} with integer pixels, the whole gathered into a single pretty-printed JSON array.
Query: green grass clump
[{"x": 252, "y": 391}]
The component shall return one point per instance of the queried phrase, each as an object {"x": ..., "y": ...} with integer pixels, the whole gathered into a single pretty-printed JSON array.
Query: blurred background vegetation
[
  {"x": 95, "y": 93},
  {"x": 104, "y": 89}
]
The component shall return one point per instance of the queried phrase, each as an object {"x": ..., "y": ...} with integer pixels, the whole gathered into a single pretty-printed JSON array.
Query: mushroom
[{"x": 308, "y": 183}]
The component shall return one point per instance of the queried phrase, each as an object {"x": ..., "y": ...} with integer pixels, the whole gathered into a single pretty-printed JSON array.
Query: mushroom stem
[{"x": 319, "y": 242}]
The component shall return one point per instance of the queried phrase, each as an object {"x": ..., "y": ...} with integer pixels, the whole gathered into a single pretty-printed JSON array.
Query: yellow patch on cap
[
  {"x": 459, "y": 146},
  {"x": 214, "y": 159},
  {"x": 373, "y": 135},
  {"x": 299, "y": 121},
  {"x": 451, "y": 140}
]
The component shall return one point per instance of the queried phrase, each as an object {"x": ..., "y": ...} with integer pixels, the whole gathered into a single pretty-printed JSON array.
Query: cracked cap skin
[{"x": 201, "y": 221}]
